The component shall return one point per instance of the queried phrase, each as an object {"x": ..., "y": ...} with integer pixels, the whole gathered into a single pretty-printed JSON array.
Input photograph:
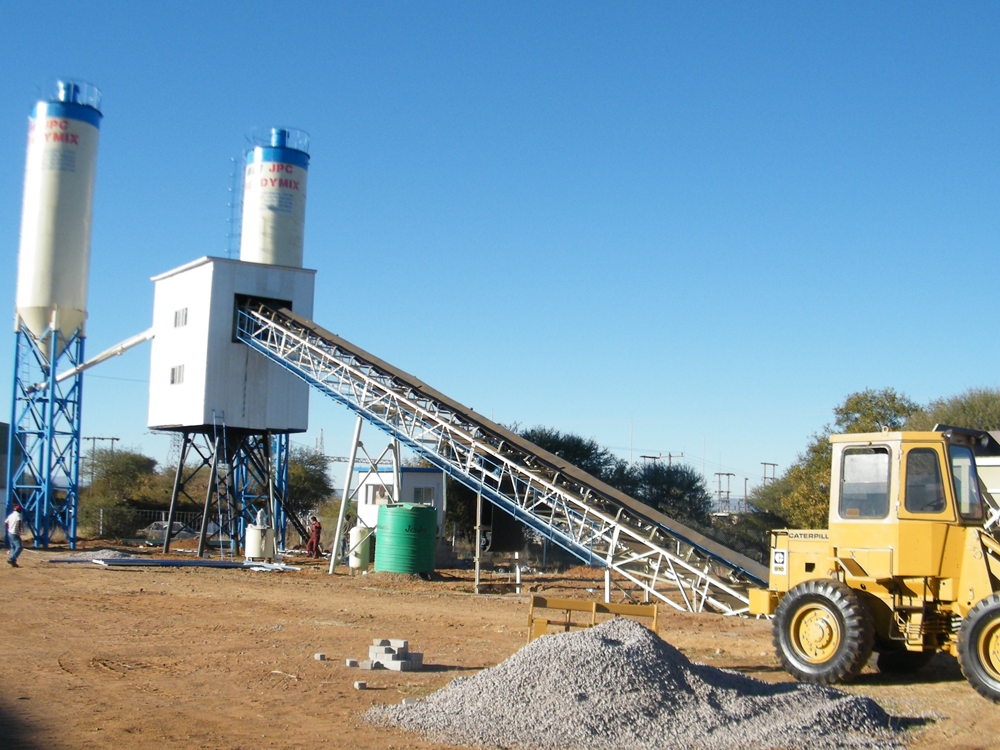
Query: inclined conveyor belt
[{"x": 599, "y": 524}]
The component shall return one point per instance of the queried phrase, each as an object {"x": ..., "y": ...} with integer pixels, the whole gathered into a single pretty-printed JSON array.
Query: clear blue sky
[{"x": 704, "y": 222}]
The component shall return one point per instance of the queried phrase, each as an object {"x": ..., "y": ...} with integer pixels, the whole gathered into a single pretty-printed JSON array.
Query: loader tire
[
  {"x": 901, "y": 661},
  {"x": 823, "y": 632},
  {"x": 979, "y": 647}
]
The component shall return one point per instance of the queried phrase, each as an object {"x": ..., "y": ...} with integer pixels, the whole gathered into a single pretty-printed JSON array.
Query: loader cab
[{"x": 897, "y": 497}]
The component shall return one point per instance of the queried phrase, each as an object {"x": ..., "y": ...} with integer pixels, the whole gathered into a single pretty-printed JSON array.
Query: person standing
[
  {"x": 15, "y": 524},
  {"x": 315, "y": 530}
]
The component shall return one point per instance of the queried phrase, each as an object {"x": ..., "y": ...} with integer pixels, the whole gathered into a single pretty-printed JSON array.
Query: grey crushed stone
[
  {"x": 98, "y": 554},
  {"x": 620, "y": 686}
]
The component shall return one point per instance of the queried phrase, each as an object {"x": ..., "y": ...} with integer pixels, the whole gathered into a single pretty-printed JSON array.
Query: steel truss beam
[
  {"x": 43, "y": 450},
  {"x": 585, "y": 521}
]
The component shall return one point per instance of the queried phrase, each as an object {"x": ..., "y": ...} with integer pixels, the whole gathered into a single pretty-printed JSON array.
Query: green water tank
[{"x": 406, "y": 540}]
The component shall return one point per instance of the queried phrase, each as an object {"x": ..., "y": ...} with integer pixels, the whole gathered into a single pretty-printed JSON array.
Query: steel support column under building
[{"x": 248, "y": 474}]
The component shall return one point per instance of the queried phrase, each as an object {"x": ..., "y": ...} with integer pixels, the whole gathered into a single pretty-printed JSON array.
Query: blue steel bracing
[
  {"x": 279, "y": 452},
  {"x": 43, "y": 452},
  {"x": 576, "y": 511},
  {"x": 251, "y": 493},
  {"x": 261, "y": 459}
]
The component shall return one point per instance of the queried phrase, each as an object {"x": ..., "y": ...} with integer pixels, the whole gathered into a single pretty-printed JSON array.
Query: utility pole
[
  {"x": 728, "y": 475},
  {"x": 765, "y": 464},
  {"x": 93, "y": 450},
  {"x": 746, "y": 493}
]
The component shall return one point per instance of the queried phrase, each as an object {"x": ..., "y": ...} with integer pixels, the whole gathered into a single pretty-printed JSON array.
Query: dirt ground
[{"x": 209, "y": 658}]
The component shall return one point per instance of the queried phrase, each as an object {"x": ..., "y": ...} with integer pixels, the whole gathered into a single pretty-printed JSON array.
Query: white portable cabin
[
  {"x": 200, "y": 375},
  {"x": 417, "y": 485}
]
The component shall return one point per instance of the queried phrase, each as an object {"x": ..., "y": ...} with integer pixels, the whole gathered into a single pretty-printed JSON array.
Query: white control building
[{"x": 200, "y": 376}]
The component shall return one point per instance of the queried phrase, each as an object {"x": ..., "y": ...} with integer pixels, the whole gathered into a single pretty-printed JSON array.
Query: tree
[
  {"x": 677, "y": 491},
  {"x": 584, "y": 453},
  {"x": 123, "y": 478},
  {"x": 309, "y": 482},
  {"x": 975, "y": 408},
  {"x": 806, "y": 486},
  {"x": 873, "y": 411}
]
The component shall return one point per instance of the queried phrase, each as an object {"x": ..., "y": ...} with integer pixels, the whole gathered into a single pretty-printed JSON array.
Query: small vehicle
[{"x": 905, "y": 569}]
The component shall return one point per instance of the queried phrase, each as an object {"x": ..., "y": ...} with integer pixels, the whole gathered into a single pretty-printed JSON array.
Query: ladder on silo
[{"x": 600, "y": 525}]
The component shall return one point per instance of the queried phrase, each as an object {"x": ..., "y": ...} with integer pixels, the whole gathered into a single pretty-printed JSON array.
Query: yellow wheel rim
[
  {"x": 816, "y": 633},
  {"x": 989, "y": 648}
]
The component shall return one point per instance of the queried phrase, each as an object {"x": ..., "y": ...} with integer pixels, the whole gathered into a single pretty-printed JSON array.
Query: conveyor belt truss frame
[{"x": 540, "y": 496}]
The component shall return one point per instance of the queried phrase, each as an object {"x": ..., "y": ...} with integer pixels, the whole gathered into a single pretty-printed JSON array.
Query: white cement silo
[
  {"x": 274, "y": 198},
  {"x": 54, "y": 256}
]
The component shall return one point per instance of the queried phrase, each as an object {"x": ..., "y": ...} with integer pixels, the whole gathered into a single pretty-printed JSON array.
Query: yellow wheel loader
[{"x": 905, "y": 569}]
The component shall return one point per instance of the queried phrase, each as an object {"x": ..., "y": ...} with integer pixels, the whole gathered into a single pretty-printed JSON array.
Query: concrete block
[
  {"x": 399, "y": 644},
  {"x": 366, "y": 664},
  {"x": 397, "y": 666},
  {"x": 380, "y": 642},
  {"x": 416, "y": 660},
  {"x": 374, "y": 651},
  {"x": 319, "y": 657},
  {"x": 409, "y": 701},
  {"x": 360, "y": 685},
  {"x": 352, "y": 662}
]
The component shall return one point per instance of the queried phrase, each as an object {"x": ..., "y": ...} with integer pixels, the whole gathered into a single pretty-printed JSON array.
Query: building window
[
  {"x": 177, "y": 375},
  {"x": 423, "y": 495},
  {"x": 181, "y": 318},
  {"x": 377, "y": 495}
]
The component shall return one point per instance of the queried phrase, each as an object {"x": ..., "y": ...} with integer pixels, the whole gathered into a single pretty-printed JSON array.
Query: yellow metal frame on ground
[{"x": 538, "y": 626}]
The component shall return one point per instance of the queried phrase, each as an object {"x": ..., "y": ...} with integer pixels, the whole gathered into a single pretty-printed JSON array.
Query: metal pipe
[
  {"x": 479, "y": 531},
  {"x": 114, "y": 351},
  {"x": 443, "y": 532},
  {"x": 517, "y": 572},
  {"x": 173, "y": 494},
  {"x": 272, "y": 507},
  {"x": 397, "y": 489},
  {"x": 347, "y": 494}
]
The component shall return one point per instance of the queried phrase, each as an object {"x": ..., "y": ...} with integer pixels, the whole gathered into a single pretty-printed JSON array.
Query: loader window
[
  {"x": 963, "y": 474},
  {"x": 864, "y": 483},
  {"x": 924, "y": 488}
]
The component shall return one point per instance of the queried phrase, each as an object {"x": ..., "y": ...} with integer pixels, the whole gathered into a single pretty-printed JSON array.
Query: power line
[{"x": 669, "y": 456}]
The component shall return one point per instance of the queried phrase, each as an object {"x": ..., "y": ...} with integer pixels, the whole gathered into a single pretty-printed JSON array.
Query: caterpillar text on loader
[{"x": 905, "y": 568}]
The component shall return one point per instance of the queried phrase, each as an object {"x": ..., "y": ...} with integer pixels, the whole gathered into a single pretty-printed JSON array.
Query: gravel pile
[
  {"x": 619, "y": 686},
  {"x": 99, "y": 554}
]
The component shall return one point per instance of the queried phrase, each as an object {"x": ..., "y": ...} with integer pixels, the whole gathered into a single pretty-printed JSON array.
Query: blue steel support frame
[
  {"x": 253, "y": 492},
  {"x": 43, "y": 450},
  {"x": 279, "y": 455}
]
